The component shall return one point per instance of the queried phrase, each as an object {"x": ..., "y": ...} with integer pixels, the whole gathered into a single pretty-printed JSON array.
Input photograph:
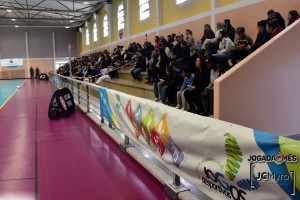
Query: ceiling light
[
  {"x": 16, "y": 26},
  {"x": 71, "y": 21},
  {"x": 67, "y": 27},
  {"x": 85, "y": 2},
  {"x": 8, "y": 10},
  {"x": 13, "y": 19}
]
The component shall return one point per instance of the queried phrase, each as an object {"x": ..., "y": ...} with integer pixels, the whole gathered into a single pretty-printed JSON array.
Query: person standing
[
  {"x": 31, "y": 72},
  {"x": 37, "y": 72}
]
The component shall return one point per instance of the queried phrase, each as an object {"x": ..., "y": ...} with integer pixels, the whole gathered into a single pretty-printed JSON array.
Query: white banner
[
  {"x": 224, "y": 160},
  {"x": 11, "y": 63}
]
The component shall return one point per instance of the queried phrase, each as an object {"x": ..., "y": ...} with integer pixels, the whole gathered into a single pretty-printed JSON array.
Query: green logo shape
[{"x": 234, "y": 157}]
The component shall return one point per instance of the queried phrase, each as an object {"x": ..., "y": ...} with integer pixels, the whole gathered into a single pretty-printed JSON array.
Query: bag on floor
[
  {"x": 62, "y": 104},
  {"x": 44, "y": 76}
]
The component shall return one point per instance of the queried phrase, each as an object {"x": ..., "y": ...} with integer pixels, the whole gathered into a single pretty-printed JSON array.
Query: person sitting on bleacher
[
  {"x": 272, "y": 15},
  {"x": 189, "y": 39},
  {"x": 293, "y": 16},
  {"x": 225, "y": 46},
  {"x": 239, "y": 52},
  {"x": 106, "y": 74},
  {"x": 208, "y": 35},
  {"x": 210, "y": 46},
  {"x": 273, "y": 28},
  {"x": 139, "y": 66},
  {"x": 188, "y": 80},
  {"x": 262, "y": 36},
  {"x": 201, "y": 80},
  {"x": 207, "y": 95},
  {"x": 229, "y": 29}
]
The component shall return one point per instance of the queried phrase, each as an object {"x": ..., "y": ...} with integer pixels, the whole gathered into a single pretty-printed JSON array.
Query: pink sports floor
[{"x": 66, "y": 159}]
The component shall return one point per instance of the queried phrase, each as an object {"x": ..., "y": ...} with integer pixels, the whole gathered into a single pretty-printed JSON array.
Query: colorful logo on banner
[
  {"x": 105, "y": 109},
  {"x": 158, "y": 133}
]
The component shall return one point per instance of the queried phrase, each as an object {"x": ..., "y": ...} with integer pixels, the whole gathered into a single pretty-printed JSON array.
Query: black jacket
[
  {"x": 280, "y": 19},
  {"x": 201, "y": 80},
  {"x": 141, "y": 63},
  {"x": 230, "y": 32},
  {"x": 261, "y": 39},
  {"x": 174, "y": 81}
]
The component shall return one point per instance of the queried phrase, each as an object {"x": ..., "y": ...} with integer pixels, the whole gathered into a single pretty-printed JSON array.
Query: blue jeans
[
  {"x": 136, "y": 73},
  {"x": 160, "y": 91}
]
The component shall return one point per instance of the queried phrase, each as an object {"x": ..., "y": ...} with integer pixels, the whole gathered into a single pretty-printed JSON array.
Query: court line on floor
[{"x": 11, "y": 96}]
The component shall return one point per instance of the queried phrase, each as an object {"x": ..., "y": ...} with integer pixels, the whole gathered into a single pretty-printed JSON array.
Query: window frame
[
  {"x": 121, "y": 15},
  {"x": 87, "y": 36},
  {"x": 95, "y": 32},
  {"x": 105, "y": 26},
  {"x": 144, "y": 9}
]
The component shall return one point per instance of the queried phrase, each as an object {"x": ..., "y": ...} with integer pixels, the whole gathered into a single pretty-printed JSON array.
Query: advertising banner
[
  {"x": 224, "y": 160},
  {"x": 11, "y": 63}
]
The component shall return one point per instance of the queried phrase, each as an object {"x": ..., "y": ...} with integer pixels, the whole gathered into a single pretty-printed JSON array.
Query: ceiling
[{"x": 47, "y": 13}]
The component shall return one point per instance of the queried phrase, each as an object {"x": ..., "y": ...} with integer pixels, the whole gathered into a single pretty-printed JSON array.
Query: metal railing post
[
  {"x": 72, "y": 89},
  {"x": 87, "y": 99},
  {"x": 78, "y": 92}
]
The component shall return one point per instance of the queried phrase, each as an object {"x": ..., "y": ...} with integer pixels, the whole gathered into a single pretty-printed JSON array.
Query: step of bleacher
[
  {"x": 135, "y": 88},
  {"x": 126, "y": 75}
]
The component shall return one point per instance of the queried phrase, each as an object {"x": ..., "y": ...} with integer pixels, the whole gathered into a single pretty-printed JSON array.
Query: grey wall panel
[
  {"x": 40, "y": 43},
  {"x": 62, "y": 39},
  {"x": 12, "y": 43}
]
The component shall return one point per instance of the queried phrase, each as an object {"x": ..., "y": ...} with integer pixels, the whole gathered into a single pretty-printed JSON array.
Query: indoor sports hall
[{"x": 149, "y": 100}]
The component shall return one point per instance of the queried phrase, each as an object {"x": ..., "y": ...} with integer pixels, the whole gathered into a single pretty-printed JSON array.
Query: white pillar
[
  {"x": 213, "y": 15},
  {"x": 128, "y": 21},
  {"x": 27, "y": 54},
  {"x": 158, "y": 15},
  {"x": 54, "y": 50},
  {"x": 108, "y": 8}
]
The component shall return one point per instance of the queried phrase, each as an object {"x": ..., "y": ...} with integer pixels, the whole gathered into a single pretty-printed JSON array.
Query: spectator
[
  {"x": 208, "y": 33},
  {"x": 139, "y": 66},
  {"x": 207, "y": 95},
  {"x": 225, "y": 46},
  {"x": 262, "y": 36},
  {"x": 189, "y": 39},
  {"x": 173, "y": 82},
  {"x": 37, "y": 72},
  {"x": 272, "y": 15},
  {"x": 212, "y": 44},
  {"x": 273, "y": 28},
  {"x": 201, "y": 80},
  {"x": 156, "y": 42},
  {"x": 230, "y": 31},
  {"x": 188, "y": 80},
  {"x": 177, "y": 50},
  {"x": 106, "y": 74},
  {"x": 293, "y": 16},
  {"x": 239, "y": 52},
  {"x": 31, "y": 73}
]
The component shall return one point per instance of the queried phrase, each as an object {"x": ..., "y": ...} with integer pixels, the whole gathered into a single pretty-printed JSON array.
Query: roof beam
[{"x": 46, "y": 19}]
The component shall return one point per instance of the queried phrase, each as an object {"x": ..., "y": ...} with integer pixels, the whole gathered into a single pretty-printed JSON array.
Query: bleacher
[{"x": 124, "y": 82}]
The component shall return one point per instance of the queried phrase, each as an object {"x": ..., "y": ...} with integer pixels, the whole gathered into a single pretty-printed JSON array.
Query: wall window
[
  {"x": 180, "y": 1},
  {"x": 105, "y": 25},
  {"x": 120, "y": 16},
  {"x": 144, "y": 9},
  {"x": 87, "y": 36},
  {"x": 95, "y": 32}
]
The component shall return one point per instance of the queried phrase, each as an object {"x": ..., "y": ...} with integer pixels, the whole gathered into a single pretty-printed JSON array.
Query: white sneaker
[
  {"x": 178, "y": 106},
  {"x": 184, "y": 109},
  {"x": 156, "y": 99}
]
